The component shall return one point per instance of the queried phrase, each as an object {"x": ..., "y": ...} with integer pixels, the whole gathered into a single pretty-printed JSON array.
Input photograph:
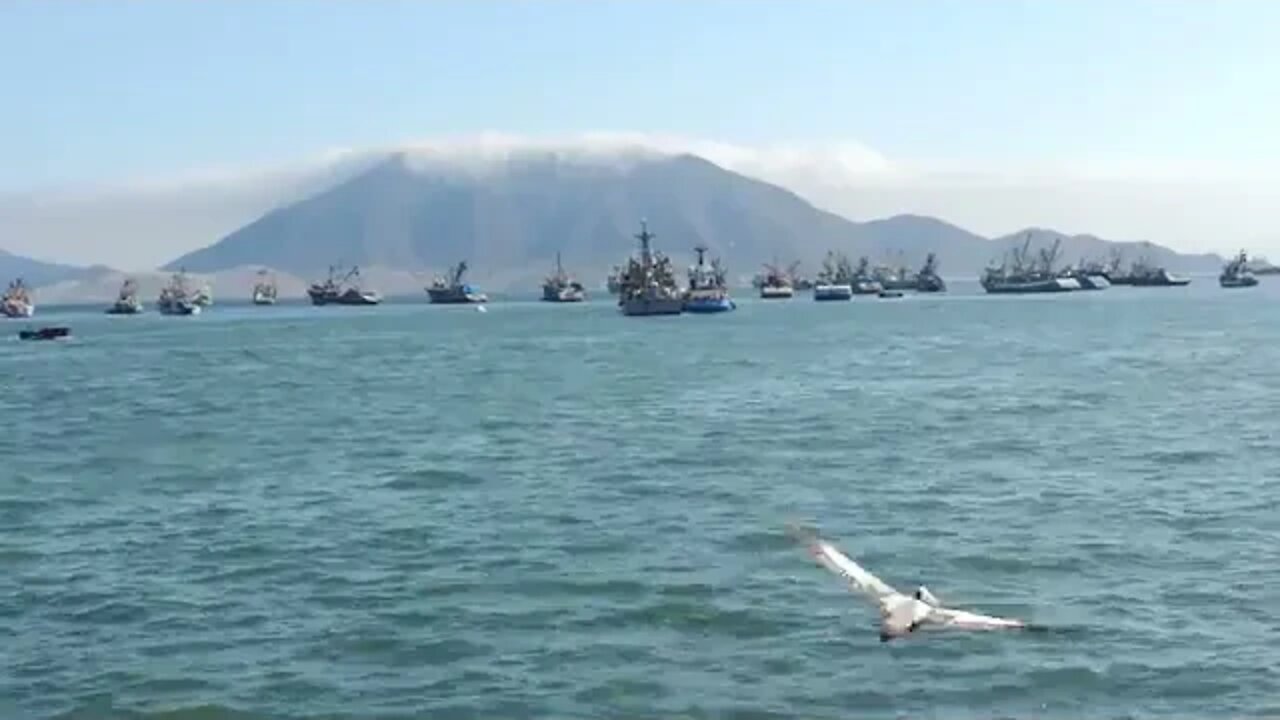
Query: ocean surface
[{"x": 557, "y": 512}]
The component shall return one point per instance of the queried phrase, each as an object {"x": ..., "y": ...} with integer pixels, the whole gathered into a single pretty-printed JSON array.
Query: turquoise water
[{"x": 557, "y": 512}]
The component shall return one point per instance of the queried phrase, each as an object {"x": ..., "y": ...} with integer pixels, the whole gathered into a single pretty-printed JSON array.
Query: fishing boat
[
  {"x": 204, "y": 296},
  {"x": 561, "y": 288},
  {"x": 614, "y": 282},
  {"x": 1236, "y": 274},
  {"x": 895, "y": 277},
  {"x": 344, "y": 290},
  {"x": 648, "y": 285},
  {"x": 835, "y": 280},
  {"x": 778, "y": 284},
  {"x": 708, "y": 292},
  {"x": 264, "y": 290},
  {"x": 928, "y": 279},
  {"x": 176, "y": 298},
  {"x": 127, "y": 302},
  {"x": 17, "y": 302},
  {"x": 864, "y": 281},
  {"x": 1025, "y": 276},
  {"x": 450, "y": 290},
  {"x": 44, "y": 333}
]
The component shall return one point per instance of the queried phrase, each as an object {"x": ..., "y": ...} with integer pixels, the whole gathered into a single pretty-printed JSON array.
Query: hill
[
  {"x": 508, "y": 218},
  {"x": 36, "y": 273}
]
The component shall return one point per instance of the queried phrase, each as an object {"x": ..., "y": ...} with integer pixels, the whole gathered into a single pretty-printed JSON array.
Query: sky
[{"x": 1073, "y": 106}]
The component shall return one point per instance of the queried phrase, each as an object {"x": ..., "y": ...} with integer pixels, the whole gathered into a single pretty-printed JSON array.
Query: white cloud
[{"x": 138, "y": 223}]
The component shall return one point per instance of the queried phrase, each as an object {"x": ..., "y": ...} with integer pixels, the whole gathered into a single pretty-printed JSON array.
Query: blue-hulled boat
[{"x": 708, "y": 291}]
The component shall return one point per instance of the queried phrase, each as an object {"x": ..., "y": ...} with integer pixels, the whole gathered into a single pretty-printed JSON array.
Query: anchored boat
[
  {"x": 835, "y": 280},
  {"x": 778, "y": 284},
  {"x": 1236, "y": 274},
  {"x": 1026, "y": 276},
  {"x": 264, "y": 290},
  {"x": 648, "y": 284},
  {"x": 450, "y": 290},
  {"x": 44, "y": 333},
  {"x": 176, "y": 298},
  {"x": 127, "y": 302},
  {"x": 928, "y": 279},
  {"x": 864, "y": 281},
  {"x": 708, "y": 292},
  {"x": 17, "y": 302},
  {"x": 560, "y": 287},
  {"x": 345, "y": 290}
]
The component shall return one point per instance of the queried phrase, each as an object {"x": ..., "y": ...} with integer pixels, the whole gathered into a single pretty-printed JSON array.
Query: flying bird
[{"x": 900, "y": 614}]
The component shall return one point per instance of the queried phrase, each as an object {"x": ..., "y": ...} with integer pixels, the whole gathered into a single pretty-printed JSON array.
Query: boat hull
[
  {"x": 642, "y": 306},
  {"x": 124, "y": 309},
  {"x": 1031, "y": 287},
  {"x": 565, "y": 295},
  {"x": 180, "y": 309},
  {"x": 48, "y": 333},
  {"x": 345, "y": 299},
  {"x": 823, "y": 293},
  {"x": 455, "y": 297},
  {"x": 776, "y": 293},
  {"x": 867, "y": 287},
  {"x": 1240, "y": 282},
  {"x": 704, "y": 306},
  {"x": 930, "y": 284}
]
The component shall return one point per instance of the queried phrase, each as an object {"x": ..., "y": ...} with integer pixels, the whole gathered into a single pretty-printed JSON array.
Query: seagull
[{"x": 900, "y": 615}]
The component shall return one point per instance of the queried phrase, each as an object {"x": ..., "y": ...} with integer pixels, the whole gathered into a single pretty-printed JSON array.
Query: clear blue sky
[{"x": 95, "y": 90}]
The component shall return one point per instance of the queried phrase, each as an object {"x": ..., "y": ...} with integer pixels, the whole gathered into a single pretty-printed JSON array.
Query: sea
[{"x": 554, "y": 511}]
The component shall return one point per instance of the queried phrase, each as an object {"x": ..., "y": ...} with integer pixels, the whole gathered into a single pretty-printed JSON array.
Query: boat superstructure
[
  {"x": 648, "y": 284},
  {"x": 1020, "y": 274},
  {"x": 176, "y": 298},
  {"x": 344, "y": 290},
  {"x": 265, "y": 290},
  {"x": 561, "y": 287},
  {"x": 1236, "y": 273},
  {"x": 895, "y": 276},
  {"x": 127, "y": 302},
  {"x": 17, "y": 301},
  {"x": 778, "y": 284},
  {"x": 451, "y": 290},
  {"x": 708, "y": 289},
  {"x": 835, "y": 280}
]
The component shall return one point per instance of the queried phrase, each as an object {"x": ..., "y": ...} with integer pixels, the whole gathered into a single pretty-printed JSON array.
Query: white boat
[
  {"x": 832, "y": 291},
  {"x": 264, "y": 291},
  {"x": 776, "y": 292},
  {"x": 17, "y": 302}
]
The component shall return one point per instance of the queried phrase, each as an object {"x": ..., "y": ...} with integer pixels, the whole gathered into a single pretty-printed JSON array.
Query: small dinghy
[{"x": 44, "y": 333}]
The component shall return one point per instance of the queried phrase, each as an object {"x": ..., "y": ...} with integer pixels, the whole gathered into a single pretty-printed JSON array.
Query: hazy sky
[{"x": 954, "y": 101}]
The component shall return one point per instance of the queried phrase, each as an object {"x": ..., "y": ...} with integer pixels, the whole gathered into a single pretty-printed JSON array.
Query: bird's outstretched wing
[
  {"x": 861, "y": 581},
  {"x": 963, "y": 620}
]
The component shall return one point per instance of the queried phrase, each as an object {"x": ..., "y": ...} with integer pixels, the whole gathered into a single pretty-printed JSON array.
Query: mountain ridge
[{"x": 509, "y": 217}]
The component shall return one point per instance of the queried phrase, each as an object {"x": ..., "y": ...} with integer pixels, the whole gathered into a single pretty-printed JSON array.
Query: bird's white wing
[
  {"x": 964, "y": 620},
  {"x": 830, "y": 557}
]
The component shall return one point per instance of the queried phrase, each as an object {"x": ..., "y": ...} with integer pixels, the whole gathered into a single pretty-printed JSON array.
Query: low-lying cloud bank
[{"x": 142, "y": 223}]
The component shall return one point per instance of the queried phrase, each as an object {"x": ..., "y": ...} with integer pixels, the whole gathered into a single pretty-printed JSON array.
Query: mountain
[
  {"x": 35, "y": 273},
  {"x": 508, "y": 218}
]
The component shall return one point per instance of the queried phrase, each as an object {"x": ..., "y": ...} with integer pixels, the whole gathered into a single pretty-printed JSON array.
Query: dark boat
[
  {"x": 452, "y": 291},
  {"x": 890, "y": 293},
  {"x": 127, "y": 302},
  {"x": 344, "y": 291},
  {"x": 928, "y": 279},
  {"x": 648, "y": 284},
  {"x": 44, "y": 333},
  {"x": 1236, "y": 274},
  {"x": 1026, "y": 276},
  {"x": 560, "y": 287}
]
